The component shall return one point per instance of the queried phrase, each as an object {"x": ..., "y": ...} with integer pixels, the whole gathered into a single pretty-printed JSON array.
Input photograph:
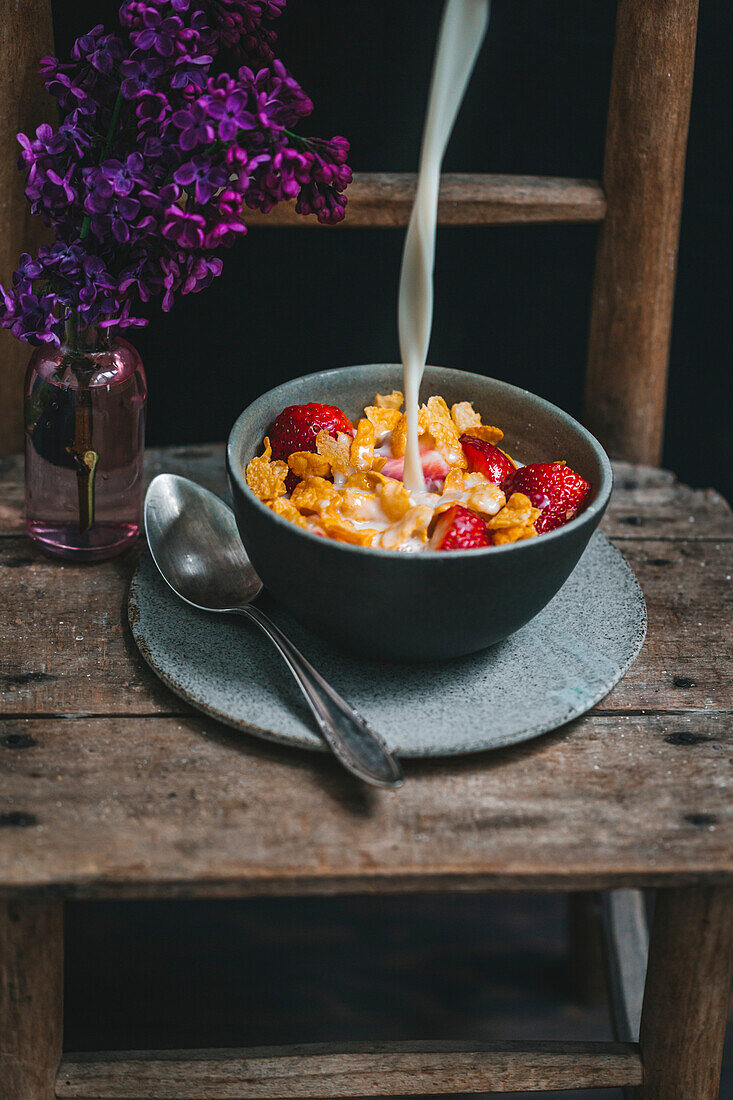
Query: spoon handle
[{"x": 354, "y": 744}]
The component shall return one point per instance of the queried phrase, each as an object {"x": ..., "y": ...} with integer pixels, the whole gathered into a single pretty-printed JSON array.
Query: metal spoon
[{"x": 195, "y": 544}]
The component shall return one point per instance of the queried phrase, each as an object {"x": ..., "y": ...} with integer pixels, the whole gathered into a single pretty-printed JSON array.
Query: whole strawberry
[
  {"x": 459, "y": 528},
  {"x": 552, "y": 487},
  {"x": 486, "y": 459},
  {"x": 297, "y": 426}
]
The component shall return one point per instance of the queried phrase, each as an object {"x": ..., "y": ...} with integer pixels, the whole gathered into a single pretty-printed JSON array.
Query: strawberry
[
  {"x": 459, "y": 528},
  {"x": 486, "y": 459},
  {"x": 297, "y": 426},
  {"x": 552, "y": 487},
  {"x": 434, "y": 467}
]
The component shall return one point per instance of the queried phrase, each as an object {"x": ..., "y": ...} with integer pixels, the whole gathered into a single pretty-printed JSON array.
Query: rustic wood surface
[
  {"x": 26, "y": 34},
  {"x": 385, "y": 199},
  {"x": 643, "y": 170},
  {"x": 356, "y": 1069},
  {"x": 111, "y": 785},
  {"x": 687, "y": 994},
  {"x": 31, "y": 997}
]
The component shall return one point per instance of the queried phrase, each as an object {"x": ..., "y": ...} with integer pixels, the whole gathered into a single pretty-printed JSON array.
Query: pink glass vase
[{"x": 84, "y": 445}]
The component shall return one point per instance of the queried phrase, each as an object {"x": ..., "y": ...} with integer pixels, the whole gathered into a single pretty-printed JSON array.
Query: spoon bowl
[{"x": 195, "y": 543}]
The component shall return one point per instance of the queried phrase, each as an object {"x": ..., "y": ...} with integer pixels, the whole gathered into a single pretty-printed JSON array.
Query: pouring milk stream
[{"x": 461, "y": 34}]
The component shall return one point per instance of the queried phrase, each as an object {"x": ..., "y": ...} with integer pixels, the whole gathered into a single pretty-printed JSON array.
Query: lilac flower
[
  {"x": 194, "y": 126},
  {"x": 158, "y": 153},
  {"x": 187, "y": 230},
  {"x": 141, "y": 76},
  {"x": 206, "y": 177},
  {"x": 231, "y": 113},
  {"x": 158, "y": 34}
]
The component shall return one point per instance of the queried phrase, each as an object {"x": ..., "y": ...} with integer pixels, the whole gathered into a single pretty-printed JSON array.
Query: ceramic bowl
[{"x": 424, "y": 606}]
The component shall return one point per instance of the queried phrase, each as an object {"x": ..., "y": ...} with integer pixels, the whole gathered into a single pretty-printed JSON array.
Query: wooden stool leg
[
  {"x": 687, "y": 994},
  {"x": 585, "y": 947},
  {"x": 31, "y": 997}
]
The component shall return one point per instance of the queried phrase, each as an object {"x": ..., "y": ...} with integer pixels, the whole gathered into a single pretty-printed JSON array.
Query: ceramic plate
[{"x": 555, "y": 668}]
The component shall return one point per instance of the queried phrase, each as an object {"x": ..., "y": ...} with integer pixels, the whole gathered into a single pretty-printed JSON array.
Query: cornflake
[
  {"x": 306, "y": 464},
  {"x": 362, "y": 446},
  {"x": 515, "y": 521},
  {"x": 344, "y": 531},
  {"x": 486, "y": 499},
  {"x": 491, "y": 435},
  {"x": 336, "y": 451},
  {"x": 357, "y": 504},
  {"x": 435, "y": 418},
  {"x": 285, "y": 508},
  {"x": 395, "y": 499},
  {"x": 398, "y": 443},
  {"x": 464, "y": 416},
  {"x": 313, "y": 495},
  {"x": 391, "y": 400},
  {"x": 414, "y": 524},
  {"x": 384, "y": 420},
  {"x": 266, "y": 479}
]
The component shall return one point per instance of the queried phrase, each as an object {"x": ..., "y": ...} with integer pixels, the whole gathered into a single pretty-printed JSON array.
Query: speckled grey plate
[{"x": 555, "y": 668}]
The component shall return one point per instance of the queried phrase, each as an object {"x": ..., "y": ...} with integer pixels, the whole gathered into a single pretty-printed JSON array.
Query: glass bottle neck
[{"x": 83, "y": 338}]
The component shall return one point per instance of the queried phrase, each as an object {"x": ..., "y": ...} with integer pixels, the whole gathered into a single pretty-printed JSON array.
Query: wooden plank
[
  {"x": 643, "y": 171},
  {"x": 647, "y": 502},
  {"x": 31, "y": 997},
  {"x": 182, "y": 806},
  {"x": 66, "y": 648},
  {"x": 385, "y": 199},
  {"x": 356, "y": 1069},
  {"x": 687, "y": 994},
  {"x": 626, "y": 939},
  {"x": 26, "y": 34}
]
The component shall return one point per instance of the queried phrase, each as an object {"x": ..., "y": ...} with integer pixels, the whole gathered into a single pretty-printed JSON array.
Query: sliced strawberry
[
  {"x": 552, "y": 487},
  {"x": 484, "y": 458},
  {"x": 434, "y": 467},
  {"x": 297, "y": 426},
  {"x": 459, "y": 528}
]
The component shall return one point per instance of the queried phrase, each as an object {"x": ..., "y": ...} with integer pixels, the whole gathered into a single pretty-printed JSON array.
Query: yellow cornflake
[
  {"x": 313, "y": 495},
  {"x": 357, "y": 504},
  {"x": 513, "y": 534},
  {"x": 395, "y": 500},
  {"x": 345, "y": 531},
  {"x": 486, "y": 499},
  {"x": 362, "y": 446},
  {"x": 398, "y": 442},
  {"x": 413, "y": 524},
  {"x": 455, "y": 481},
  {"x": 464, "y": 416},
  {"x": 384, "y": 420},
  {"x": 367, "y": 479},
  {"x": 266, "y": 479},
  {"x": 306, "y": 464},
  {"x": 336, "y": 451},
  {"x": 285, "y": 508},
  {"x": 487, "y": 432},
  {"x": 391, "y": 400},
  {"x": 436, "y": 419},
  {"x": 517, "y": 511}
]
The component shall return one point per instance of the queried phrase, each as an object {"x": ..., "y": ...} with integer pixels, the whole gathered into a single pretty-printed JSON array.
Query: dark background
[{"x": 512, "y": 302}]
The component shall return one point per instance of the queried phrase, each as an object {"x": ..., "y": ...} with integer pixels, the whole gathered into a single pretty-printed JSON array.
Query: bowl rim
[{"x": 585, "y": 518}]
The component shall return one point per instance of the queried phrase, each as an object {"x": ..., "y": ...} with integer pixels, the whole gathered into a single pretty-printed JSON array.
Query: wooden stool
[{"x": 111, "y": 788}]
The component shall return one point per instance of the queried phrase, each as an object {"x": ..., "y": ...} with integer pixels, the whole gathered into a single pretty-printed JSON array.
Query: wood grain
[
  {"x": 181, "y": 806},
  {"x": 687, "y": 994},
  {"x": 26, "y": 34},
  {"x": 356, "y": 1069},
  {"x": 643, "y": 171},
  {"x": 31, "y": 996},
  {"x": 385, "y": 199}
]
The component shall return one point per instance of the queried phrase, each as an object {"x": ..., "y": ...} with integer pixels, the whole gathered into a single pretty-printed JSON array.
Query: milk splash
[{"x": 461, "y": 34}]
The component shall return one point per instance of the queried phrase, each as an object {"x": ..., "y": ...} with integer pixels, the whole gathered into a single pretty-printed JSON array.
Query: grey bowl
[{"x": 417, "y": 606}]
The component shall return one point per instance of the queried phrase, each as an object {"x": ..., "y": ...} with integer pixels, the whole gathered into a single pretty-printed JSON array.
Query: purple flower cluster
[{"x": 158, "y": 155}]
